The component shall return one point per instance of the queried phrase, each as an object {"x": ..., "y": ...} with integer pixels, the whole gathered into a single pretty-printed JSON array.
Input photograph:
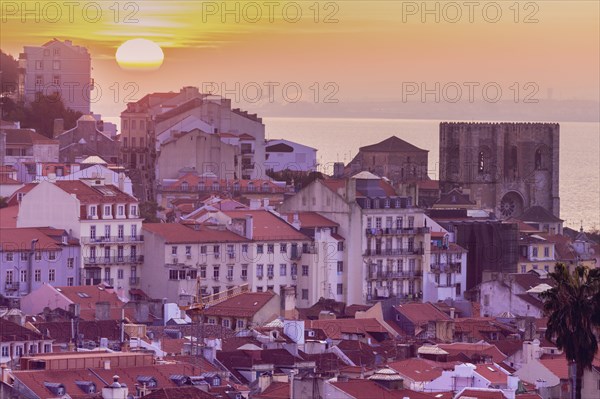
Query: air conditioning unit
[{"x": 189, "y": 256}]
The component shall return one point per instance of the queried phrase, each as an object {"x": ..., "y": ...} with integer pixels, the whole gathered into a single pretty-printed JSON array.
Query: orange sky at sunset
[{"x": 369, "y": 52}]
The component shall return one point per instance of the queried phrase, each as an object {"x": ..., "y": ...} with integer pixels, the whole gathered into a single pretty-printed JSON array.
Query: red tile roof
[
  {"x": 267, "y": 226},
  {"x": 470, "y": 349},
  {"x": 176, "y": 233},
  {"x": 557, "y": 365},
  {"x": 492, "y": 373},
  {"x": 335, "y": 328},
  {"x": 429, "y": 184},
  {"x": 8, "y": 216},
  {"x": 421, "y": 313},
  {"x": 88, "y": 296},
  {"x": 7, "y": 180},
  {"x": 310, "y": 219},
  {"x": 19, "y": 239},
  {"x": 480, "y": 394},
  {"x": 193, "y": 179},
  {"x": 362, "y": 389},
  {"x": 93, "y": 195},
  {"x": 277, "y": 390},
  {"x": 418, "y": 369},
  {"x": 189, "y": 392},
  {"x": 246, "y": 304}
]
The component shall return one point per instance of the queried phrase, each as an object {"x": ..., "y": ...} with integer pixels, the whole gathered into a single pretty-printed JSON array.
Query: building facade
[
  {"x": 508, "y": 167},
  {"x": 286, "y": 155},
  {"x": 103, "y": 218},
  {"x": 86, "y": 140},
  {"x": 57, "y": 67}
]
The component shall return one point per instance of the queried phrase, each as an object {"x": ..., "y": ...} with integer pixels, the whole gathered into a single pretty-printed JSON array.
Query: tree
[
  {"x": 572, "y": 306},
  {"x": 9, "y": 73},
  {"x": 149, "y": 211}
]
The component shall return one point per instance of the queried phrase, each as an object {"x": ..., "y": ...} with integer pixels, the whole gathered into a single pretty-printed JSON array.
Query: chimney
[
  {"x": 59, "y": 127},
  {"x": 266, "y": 203},
  {"x": 452, "y": 310},
  {"x": 296, "y": 222},
  {"x": 254, "y": 203},
  {"x": 289, "y": 310},
  {"x": 350, "y": 190},
  {"x": 264, "y": 380},
  {"x": 103, "y": 310},
  {"x": 249, "y": 227},
  {"x": 122, "y": 181},
  {"x": 115, "y": 390}
]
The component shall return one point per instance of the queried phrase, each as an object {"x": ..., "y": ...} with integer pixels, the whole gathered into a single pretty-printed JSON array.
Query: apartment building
[
  {"x": 387, "y": 240},
  {"x": 104, "y": 219},
  {"x": 446, "y": 277},
  {"x": 30, "y": 257},
  {"x": 57, "y": 67}
]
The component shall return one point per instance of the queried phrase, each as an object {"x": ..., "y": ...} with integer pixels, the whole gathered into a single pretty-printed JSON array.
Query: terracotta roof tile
[
  {"x": 421, "y": 313},
  {"x": 176, "y": 233},
  {"x": 369, "y": 389},
  {"x": 246, "y": 304},
  {"x": 267, "y": 226},
  {"x": 480, "y": 394},
  {"x": 474, "y": 349},
  {"x": 19, "y": 239},
  {"x": 418, "y": 369},
  {"x": 277, "y": 390},
  {"x": 310, "y": 219}
]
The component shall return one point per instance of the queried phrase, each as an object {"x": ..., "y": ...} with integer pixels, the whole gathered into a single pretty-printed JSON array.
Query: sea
[{"x": 338, "y": 140}]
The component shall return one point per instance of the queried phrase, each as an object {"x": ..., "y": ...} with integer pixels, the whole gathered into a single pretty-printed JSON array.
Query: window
[
  {"x": 174, "y": 250},
  {"x": 215, "y": 272},
  {"x": 270, "y": 248},
  {"x": 39, "y": 80},
  {"x": 120, "y": 231},
  {"x": 270, "y": 271},
  {"x": 283, "y": 248},
  {"x": 56, "y": 65},
  {"x": 340, "y": 245},
  {"x": 523, "y": 268},
  {"x": 93, "y": 210},
  {"x": 245, "y": 248},
  {"x": 411, "y": 222},
  {"x": 51, "y": 275},
  {"x": 5, "y": 351},
  {"x": 259, "y": 249},
  {"x": 173, "y": 274},
  {"x": 212, "y": 320},
  {"x": 340, "y": 289},
  {"x": 93, "y": 232},
  {"x": 230, "y": 272},
  {"x": 340, "y": 267},
  {"x": 52, "y": 255},
  {"x": 24, "y": 256},
  {"x": 39, "y": 64},
  {"x": 240, "y": 324},
  {"x": 133, "y": 210},
  {"x": 9, "y": 276},
  {"x": 244, "y": 272},
  {"x": 120, "y": 274},
  {"x": 120, "y": 210},
  {"x": 188, "y": 250},
  {"x": 71, "y": 263},
  {"x": 38, "y": 255},
  {"x": 226, "y": 323},
  {"x": 546, "y": 252},
  {"x": 283, "y": 269},
  {"x": 216, "y": 250},
  {"x": 305, "y": 270},
  {"x": 56, "y": 80},
  {"x": 388, "y": 222},
  {"x": 534, "y": 252},
  {"x": 259, "y": 289},
  {"x": 547, "y": 268},
  {"x": 9, "y": 256},
  {"x": 37, "y": 275},
  {"x": 203, "y": 249},
  {"x": 56, "y": 51},
  {"x": 377, "y": 223},
  {"x": 369, "y": 223},
  {"x": 535, "y": 267},
  {"x": 305, "y": 294},
  {"x": 203, "y": 271},
  {"x": 107, "y": 231}
]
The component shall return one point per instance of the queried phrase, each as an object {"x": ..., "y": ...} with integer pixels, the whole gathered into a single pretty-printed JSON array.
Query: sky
[{"x": 327, "y": 50}]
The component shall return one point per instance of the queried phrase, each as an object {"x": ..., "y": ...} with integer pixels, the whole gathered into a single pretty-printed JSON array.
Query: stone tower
[{"x": 505, "y": 167}]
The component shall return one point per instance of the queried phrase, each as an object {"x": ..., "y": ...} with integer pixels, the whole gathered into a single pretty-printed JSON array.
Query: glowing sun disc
[{"x": 139, "y": 54}]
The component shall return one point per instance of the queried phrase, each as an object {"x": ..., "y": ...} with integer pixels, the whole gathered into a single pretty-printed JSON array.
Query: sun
[{"x": 139, "y": 55}]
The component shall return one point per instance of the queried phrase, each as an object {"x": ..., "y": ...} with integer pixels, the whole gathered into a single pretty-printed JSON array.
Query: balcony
[
  {"x": 396, "y": 231},
  {"x": 296, "y": 255},
  {"x": 14, "y": 286},
  {"x": 112, "y": 239},
  {"x": 407, "y": 274},
  {"x": 92, "y": 281},
  {"x": 453, "y": 267},
  {"x": 134, "y": 280},
  {"x": 394, "y": 252},
  {"x": 109, "y": 281},
  {"x": 109, "y": 260}
]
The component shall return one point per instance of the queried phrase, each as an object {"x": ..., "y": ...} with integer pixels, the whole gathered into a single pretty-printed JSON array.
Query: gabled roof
[
  {"x": 176, "y": 233},
  {"x": 455, "y": 198},
  {"x": 277, "y": 390},
  {"x": 336, "y": 328},
  {"x": 26, "y": 137},
  {"x": 481, "y": 349},
  {"x": 10, "y": 331},
  {"x": 19, "y": 240},
  {"x": 421, "y": 370},
  {"x": 267, "y": 226},
  {"x": 310, "y": 219},
  {"x": 362, "y": 389},
  {"x": 538, "y": 214},
  {"x": 480, "y": 393},
  {"x": 88, "y": 295},
  {"x": 421, "y": 313},
  {"x": 392, "y": 144},
  {"x": 245, "y": 305}
]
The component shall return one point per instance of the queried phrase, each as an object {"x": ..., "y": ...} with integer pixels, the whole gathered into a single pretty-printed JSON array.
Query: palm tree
[{"x": 572, "y": 307}]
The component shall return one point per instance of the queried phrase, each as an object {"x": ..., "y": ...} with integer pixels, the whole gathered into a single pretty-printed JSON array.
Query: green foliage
[
  {"x": 300, "y": 179},
  {"x": 3, "y": 202},
  {"x": 573, "y": 309},
  {"x": 40, "y": 114},
  {"x": 9, "y": 73},
  {"x": 149, "y": 211}
]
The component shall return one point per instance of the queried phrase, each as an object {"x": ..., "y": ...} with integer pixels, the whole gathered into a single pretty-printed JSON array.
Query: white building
[
  {"x": 387, "y": 239},
  {"x": 57, "y": 67},
  {"x": 446, "y": 277},
  {"x": 104, "y": 219},
  {"x": 284, "y": 154}
]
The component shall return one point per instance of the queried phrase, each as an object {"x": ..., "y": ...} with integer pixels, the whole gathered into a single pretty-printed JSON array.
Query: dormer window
[
  {"x": 215, "y": 186},
  {"x": 133, "y": 210},
  {"x": 107, "y": 211},
  {"x": 92, "y": 210},
  {"x": 120, "y": 210},
  {"x": 149, "y": 382}
]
